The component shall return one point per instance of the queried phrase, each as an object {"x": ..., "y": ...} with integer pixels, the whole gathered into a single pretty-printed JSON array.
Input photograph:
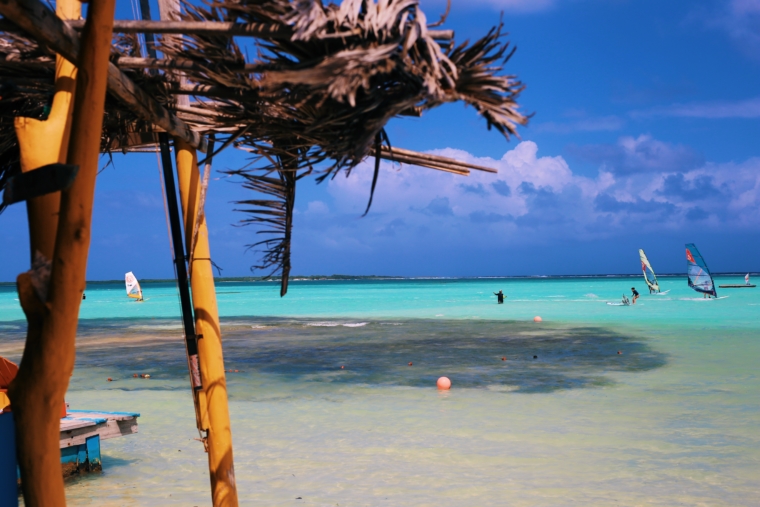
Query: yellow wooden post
[
  {"x": 219, "y": 437},
  {"x": 37, "y": 392},
  {"x": 44, "y": 142}
]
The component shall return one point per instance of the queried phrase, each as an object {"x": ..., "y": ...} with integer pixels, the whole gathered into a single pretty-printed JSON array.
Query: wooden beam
[
  {"x": 260, "y": 30},
  {"x": 402, "y": 155},
  {"x": 40, "y": 22},
  {"x": 132, "y": 62},
  {"x": 430, "y": 165}
]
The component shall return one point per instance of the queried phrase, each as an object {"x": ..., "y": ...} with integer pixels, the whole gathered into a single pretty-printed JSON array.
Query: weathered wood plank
[
  {"x": 260, "y": 30},
  {"x": 40, "y": 22},
  {"x": 449, "y": 168},
  {"x": 398, "y": 152},
  {"x": 109, "y": 429}
]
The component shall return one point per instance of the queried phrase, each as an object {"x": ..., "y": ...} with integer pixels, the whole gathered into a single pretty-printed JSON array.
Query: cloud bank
[{"x": 643, "y": 185}]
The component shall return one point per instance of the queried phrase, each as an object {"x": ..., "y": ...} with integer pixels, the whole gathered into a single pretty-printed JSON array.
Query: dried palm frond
[
  {"x": 326, "y": 94},
  {"x": 276, "y": 214},
  {"x": 320, "y": 98}
]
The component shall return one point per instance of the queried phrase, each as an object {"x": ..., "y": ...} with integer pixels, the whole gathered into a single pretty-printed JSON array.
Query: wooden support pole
[
  {"x": 43, "y": 142},
  {"x": 259, "y": 30},
  {"x": 52, "y": 305},
  {"x": 219, "y": 433},
  {"x": 37, "y": 20}
]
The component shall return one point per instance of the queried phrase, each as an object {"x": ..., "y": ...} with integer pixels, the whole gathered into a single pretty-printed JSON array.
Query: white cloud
[
  {"x": 740, "y": 20},
  {"x": 513, "y": 6},
  {"x": 748, "y": 108},
  {"x": 519, "y": 5},
  {"x": 317, "y": 208},
  {"x": 534, "y": 197},
  {"x": 601, "y": 124},
  {"x": 642, "y": 154}
]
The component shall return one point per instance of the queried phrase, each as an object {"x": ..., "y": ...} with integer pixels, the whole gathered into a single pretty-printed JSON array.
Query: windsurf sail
[
  {"x": 746, "y": 279},
  {"x": 699, "y": 275},
  {"x": 649, "y": 277},
  {"x": 133, "y": 286}
]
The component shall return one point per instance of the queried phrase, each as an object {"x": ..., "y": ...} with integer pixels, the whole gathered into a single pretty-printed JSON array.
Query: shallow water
[{"x": 672, "y": 420}]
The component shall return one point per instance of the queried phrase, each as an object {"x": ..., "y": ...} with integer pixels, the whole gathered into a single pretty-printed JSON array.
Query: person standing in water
[
  {"x": 499, "y": 296},
  {"x": 635, "y": 295}
]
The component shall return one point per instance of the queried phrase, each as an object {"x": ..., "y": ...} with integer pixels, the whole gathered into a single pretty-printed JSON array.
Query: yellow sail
[{"x": 133, "y": 286}]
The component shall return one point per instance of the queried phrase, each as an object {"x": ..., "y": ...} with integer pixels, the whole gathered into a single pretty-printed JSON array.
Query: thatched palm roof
[{"x": 312, "y": 102}]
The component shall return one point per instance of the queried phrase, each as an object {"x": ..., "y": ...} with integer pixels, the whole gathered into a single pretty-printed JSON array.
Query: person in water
[
  {"x": 499, "y": 296},
  {"x": 635, "y": 295}
]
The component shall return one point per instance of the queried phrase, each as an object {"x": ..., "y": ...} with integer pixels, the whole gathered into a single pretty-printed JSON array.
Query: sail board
[
  {"x": 649, "y": 277},
  {"x": 133, "y": 286},
  {"x": 699, "y": 275},
  {"x": 746, "y": 279}
]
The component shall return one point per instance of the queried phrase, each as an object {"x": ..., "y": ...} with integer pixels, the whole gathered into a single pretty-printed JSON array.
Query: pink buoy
[
  {"x": 537, "y": 319},
  {"x": 444, "y": 383}
]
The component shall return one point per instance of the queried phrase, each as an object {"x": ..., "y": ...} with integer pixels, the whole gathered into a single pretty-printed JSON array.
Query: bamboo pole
[
  {"x": 390, "y": 153},
  {"x": 53, "y": 313},
  {"x": 47, "y": 142},
  {"x": 219, "y": 433},
  {"x": 261, "y": 30}
]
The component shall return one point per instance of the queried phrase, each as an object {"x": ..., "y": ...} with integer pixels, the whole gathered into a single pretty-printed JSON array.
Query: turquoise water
[{"x": 671, "y": 420}]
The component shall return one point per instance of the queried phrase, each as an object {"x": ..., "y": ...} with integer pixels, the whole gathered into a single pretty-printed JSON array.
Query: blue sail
[{"x": 699, "y": 275}]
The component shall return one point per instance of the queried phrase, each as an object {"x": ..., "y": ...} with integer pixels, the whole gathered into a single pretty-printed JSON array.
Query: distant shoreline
[{"x": 318, "y": 278}]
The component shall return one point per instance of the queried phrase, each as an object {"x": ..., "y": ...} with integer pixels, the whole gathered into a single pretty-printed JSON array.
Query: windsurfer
[
  {"x": 635, "y": 295},
  {"x": 499, "y": 296}
]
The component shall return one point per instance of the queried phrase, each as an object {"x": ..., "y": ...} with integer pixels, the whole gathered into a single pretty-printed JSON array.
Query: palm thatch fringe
[{"x": 318, "y": 98}]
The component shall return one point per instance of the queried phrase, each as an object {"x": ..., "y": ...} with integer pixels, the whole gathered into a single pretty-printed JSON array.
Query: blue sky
[{"x": 645, "y": 134}]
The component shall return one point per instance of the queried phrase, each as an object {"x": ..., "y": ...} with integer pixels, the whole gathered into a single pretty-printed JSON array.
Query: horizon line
[{"x": 338, "y": 277}]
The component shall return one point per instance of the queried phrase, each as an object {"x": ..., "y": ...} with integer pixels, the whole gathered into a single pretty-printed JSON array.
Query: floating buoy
[
  {"x": 620, "y": 353},
  {"x": 237, "y": 371},
  {"x": 410, "y": 363},
  {"x": 111, "y": 380},
  {"x": 537, "y": 319},
  {"x": 147, "y": 376},
  {"x": 342, "y": 367},
  {"x": 503, "y": 358},
  {"x": 134, "y": 375},
  {"x": 444, "y": 383}
]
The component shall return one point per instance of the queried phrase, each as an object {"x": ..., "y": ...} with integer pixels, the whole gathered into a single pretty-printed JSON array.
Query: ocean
[{"x": 598, "y": 405}]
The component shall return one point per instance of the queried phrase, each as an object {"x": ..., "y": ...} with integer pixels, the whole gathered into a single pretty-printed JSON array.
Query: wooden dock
[{"x": 81, "y": 433}]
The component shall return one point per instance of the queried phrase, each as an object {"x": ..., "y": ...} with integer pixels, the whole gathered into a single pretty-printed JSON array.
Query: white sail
[
  {"x": 133, "y": 286},
  {"x": 649, "y": 277},
  {"x": 746, "y": 279}
]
